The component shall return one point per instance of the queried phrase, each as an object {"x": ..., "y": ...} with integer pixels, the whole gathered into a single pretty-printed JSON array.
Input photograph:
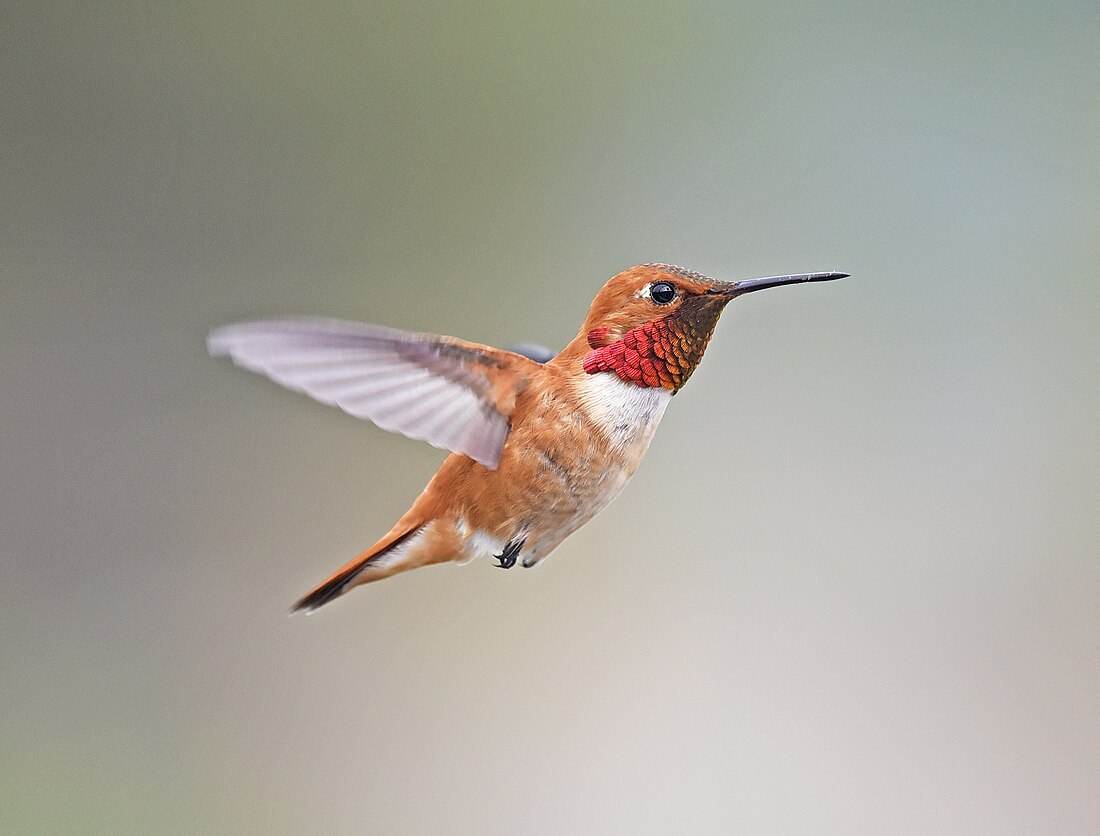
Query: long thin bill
[{"x": 749, "y": 285}]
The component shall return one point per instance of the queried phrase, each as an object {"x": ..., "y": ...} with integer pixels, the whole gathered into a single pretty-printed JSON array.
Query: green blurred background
[{"x": 854, "y": 587}]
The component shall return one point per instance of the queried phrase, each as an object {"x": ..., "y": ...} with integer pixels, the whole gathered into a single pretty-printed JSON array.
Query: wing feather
[{"x": 450, "y": 393}]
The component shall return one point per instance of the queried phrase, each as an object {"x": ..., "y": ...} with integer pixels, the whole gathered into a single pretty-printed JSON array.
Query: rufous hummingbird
[{"x": 539, "y": 445}]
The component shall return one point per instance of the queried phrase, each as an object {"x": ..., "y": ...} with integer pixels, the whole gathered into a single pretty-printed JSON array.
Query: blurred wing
[
  {"x": 450, "y": 393},
  {"x": 533, "y": 351}
]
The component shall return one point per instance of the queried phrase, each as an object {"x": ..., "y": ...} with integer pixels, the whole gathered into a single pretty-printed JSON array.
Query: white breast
[{"x": 627, "y": 414}]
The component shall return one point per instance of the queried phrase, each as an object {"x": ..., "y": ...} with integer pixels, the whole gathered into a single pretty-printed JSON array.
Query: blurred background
[{"x": 855, "y": 585}]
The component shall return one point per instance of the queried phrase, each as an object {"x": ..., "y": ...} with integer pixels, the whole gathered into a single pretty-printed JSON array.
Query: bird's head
[{"x": 651, "y": 324}]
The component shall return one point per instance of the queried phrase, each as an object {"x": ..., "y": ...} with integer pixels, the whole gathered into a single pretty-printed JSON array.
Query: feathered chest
[{"x": 626, "y": 414}]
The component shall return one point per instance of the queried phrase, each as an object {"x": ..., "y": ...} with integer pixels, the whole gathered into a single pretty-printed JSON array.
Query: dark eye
[{"x": 662, "y": 292}]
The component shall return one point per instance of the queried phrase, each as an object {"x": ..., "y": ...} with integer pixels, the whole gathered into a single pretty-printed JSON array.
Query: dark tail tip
[
  {"x": 328, "y": 591},
  {"x": 343, "y": 580}
]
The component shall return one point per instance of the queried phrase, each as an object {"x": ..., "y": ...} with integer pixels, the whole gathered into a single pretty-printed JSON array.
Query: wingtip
[
  {"x": 489, "y": 463},
  {"x": 217, "y": 341},
  {"x": 533, "y": 351},
  {"x": 225, "y": 339}
]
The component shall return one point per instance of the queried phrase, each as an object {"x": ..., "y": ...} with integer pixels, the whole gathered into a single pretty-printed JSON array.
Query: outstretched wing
[{"x": 450, "y": 393}]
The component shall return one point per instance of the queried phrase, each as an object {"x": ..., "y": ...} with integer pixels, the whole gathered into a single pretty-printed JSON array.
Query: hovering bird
[{"x": 539, "y": 445}]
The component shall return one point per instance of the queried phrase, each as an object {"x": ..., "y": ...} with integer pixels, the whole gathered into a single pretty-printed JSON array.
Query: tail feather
[{"x": 352, "y": 575}]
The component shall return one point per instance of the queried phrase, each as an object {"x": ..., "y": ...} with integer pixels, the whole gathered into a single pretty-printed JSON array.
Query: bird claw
[{"x": 508, "y": 557}]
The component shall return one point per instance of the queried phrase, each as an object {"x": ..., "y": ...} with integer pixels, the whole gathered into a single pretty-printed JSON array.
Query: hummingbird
[{"x": 539, "y": 444}]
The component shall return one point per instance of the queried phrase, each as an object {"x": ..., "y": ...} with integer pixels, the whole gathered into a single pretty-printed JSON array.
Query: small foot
[{"x": 508, "y": 557}]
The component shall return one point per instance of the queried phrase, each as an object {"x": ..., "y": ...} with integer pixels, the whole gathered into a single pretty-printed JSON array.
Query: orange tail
[{"x": 381, "y": 560}]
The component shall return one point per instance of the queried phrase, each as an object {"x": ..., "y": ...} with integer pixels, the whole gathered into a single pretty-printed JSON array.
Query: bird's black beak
[{"x": 731, "y": 289}]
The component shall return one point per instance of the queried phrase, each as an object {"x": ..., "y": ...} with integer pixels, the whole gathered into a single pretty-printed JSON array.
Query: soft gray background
[{"x": 854, "y": 587}]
